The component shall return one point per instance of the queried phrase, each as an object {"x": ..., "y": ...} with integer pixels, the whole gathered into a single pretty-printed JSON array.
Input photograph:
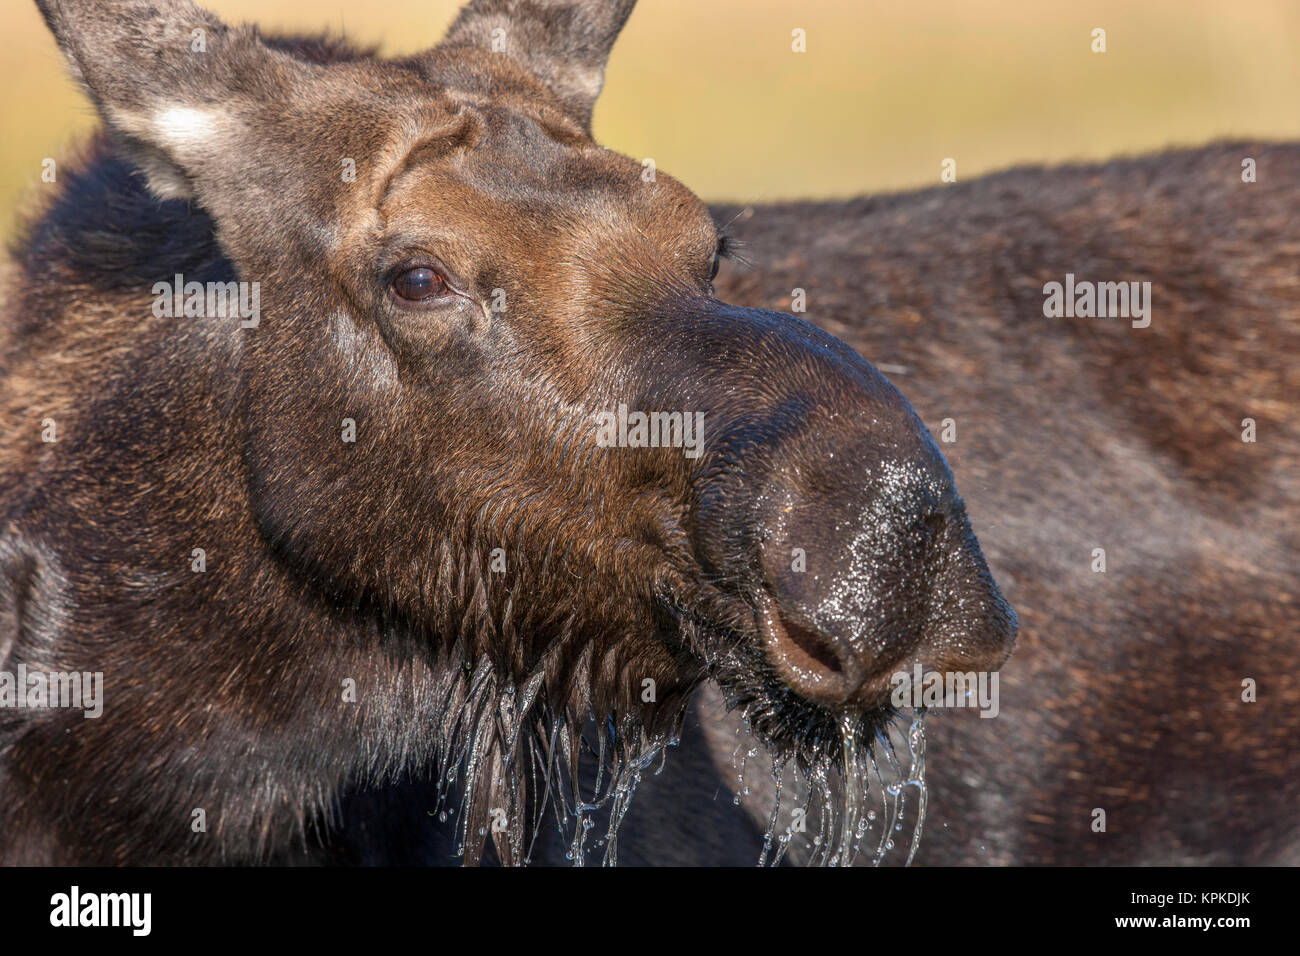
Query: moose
[{"x": 364, "y": 585}]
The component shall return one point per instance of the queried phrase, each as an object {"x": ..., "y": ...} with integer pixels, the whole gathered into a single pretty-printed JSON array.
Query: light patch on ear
[
  {"x": 184, "y": 132},
  {"x": 182, "y": 128},
  {"x": 171, "y": 142}
]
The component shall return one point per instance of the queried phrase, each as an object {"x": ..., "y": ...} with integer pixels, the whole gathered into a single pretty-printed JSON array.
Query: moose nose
[
  {"x": 822, "y": 502},
  {"x": 856, "y": 587}
]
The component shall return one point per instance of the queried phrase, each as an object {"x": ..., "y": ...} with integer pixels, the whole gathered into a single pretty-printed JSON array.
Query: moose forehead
[
  {"x": 548, "y": 198},
  {"x": 505, "y": 174}
]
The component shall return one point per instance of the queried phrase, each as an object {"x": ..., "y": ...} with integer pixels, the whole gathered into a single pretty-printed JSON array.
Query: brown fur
[{"x": 371, "y": 561}]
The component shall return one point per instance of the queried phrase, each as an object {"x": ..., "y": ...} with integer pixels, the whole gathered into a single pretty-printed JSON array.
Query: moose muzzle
[{"x": 824, "y": 504}]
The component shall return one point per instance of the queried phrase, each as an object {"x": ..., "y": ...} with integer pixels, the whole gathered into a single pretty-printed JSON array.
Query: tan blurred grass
[{"x": 711, "y": 90}]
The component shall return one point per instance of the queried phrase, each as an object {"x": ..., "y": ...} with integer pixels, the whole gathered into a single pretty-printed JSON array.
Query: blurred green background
[{"x": 712, "y": 91}]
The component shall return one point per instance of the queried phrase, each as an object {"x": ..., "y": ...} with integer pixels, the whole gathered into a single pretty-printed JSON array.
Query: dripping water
[
  {"x": 834, "y": 803},
  {"x": 527, "y": 761},
  {"x": 622, "y": 756},
  {"x": 524, "y": 763}
]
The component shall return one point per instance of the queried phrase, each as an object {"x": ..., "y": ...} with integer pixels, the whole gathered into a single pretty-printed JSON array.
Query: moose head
[{"x": 493, "y": 420}]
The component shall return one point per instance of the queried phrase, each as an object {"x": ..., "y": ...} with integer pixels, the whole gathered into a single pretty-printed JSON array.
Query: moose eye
[{"x": 415, "y": 285}]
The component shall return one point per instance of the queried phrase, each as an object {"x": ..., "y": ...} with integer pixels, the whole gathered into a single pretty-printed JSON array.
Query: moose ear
[
  {"x": 564, "y": 43},
  {"x": 161, "y": 73}
]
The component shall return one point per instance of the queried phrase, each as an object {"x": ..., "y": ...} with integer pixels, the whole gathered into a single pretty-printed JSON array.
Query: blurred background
[{"x": 711, "y": 90}]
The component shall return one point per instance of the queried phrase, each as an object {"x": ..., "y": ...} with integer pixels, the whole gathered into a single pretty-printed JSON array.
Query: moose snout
[
  {"x": 854, "y": 588},
  {"x": 827, "y": 505}
]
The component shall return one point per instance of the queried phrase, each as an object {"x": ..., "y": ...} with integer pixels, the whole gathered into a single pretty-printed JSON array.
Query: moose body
[
  {"x": 367, "y": 550},
  {"x": 1126, "y": 689}
]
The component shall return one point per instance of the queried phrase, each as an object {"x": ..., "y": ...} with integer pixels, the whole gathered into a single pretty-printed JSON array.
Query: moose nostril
[
  {"x": 808, "y": 661},
  {"x": 814, "y": 645}
]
